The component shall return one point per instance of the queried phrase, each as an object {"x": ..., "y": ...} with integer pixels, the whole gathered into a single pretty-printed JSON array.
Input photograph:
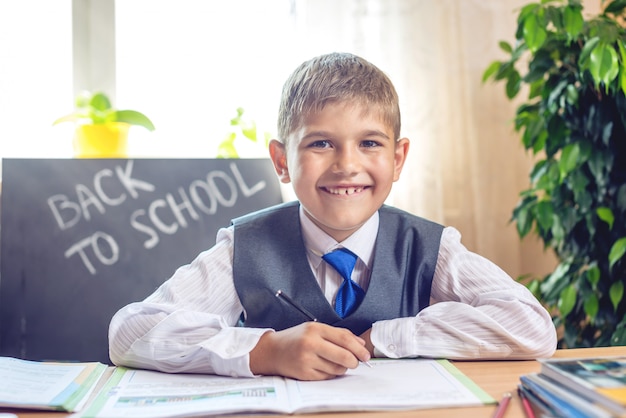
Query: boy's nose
[{"x": 347, "y": 161}]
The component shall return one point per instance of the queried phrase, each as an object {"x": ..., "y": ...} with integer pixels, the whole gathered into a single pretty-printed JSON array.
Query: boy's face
[{"x": 342, "y": 164}]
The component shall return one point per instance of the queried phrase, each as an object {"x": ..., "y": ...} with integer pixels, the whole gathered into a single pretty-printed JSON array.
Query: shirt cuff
[
  {"x": 387, "y": 336},
  {"x": 232, "y": 358}
]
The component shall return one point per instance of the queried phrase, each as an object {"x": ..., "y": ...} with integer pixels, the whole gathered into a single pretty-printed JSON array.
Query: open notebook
[{"x": 388, "y": 385}]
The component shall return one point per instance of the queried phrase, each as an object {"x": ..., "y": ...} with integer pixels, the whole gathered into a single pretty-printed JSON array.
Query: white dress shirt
[{"x": 189, "y": 323}]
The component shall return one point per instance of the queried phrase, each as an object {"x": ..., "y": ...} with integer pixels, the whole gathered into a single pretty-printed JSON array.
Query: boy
[{"x": 414, "y": 290}]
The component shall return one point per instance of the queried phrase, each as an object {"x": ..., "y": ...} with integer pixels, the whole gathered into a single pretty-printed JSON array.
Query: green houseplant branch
[
  {"x": 96, "y": 109},
  {"x": 573, "y": 70},
  {"x": 241, "y": 128}
]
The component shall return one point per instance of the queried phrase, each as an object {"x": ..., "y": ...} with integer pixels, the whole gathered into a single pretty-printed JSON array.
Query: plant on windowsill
[
  {"x": 102, "y": 131},
  {"x": 574, "y": 121},
  {"x": 243, "y": 138}
]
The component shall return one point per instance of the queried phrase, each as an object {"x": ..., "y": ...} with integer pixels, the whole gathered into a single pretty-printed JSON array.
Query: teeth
[{"x": 345, "y": 190}]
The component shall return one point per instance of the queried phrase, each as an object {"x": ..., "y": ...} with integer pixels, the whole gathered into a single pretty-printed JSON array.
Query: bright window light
[
  {"x": 186, "y": 64},
  {"x": 190, "y": 64},
  {"x": 35, "y": 77}
]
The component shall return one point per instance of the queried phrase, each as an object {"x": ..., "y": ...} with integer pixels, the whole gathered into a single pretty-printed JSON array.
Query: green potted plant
[
  {"x": 242, "y": 135},
  {"x": 101, "y": 130},
  {"x": 573, "y": 70}
]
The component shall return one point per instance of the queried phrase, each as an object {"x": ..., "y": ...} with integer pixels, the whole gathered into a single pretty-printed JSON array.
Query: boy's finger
[
  {"x": 353, "y": 343},
  {"x": 347, "y": 349}
]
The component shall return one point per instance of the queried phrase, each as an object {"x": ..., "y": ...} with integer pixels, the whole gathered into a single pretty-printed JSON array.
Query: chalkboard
[{"x": 80, "y": 238}]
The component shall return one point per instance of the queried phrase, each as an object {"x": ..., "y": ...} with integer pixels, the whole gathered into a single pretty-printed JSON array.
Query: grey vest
[{"x": 269, "y": 255}]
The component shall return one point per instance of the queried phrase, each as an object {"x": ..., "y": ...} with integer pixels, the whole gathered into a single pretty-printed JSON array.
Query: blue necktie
[{"x": 350, "y": 294}]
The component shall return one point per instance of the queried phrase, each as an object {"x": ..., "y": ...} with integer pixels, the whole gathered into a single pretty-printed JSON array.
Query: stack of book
[
  {"x": 586, "y": 387},
  {"x": 47, "y": 385}
]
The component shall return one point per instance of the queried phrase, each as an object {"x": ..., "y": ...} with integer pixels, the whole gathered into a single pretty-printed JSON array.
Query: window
[
  {"x": 35, "y": 77},
  {"x": 190, "y": 64},
  {"x": 186, "y": 64}
]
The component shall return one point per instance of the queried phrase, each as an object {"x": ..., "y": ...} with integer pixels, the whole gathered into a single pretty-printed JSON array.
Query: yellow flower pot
[{"x": 108, "y": 140}]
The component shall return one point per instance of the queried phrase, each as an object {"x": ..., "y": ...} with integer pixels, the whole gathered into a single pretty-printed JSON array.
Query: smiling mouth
[{"x": 344, "y": 191}]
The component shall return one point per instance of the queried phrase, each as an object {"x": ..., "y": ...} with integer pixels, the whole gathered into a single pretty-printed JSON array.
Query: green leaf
[
  {"x": 533, "y": 286},
  {"x": 554, "y": 98},
  {"x": 569, "y": 159},
  {"x": 571, "y": 95},
  {"x": 491, "y": 70},
  {"x": 540, "y": 142},
  {"x": 591, "y": 306},
  {"x": 249, "y": 131},
  {"x": 586, "y": 149},
  {"x": 545, "y": 212},
  {"x": 593, "y": 275},
  {"x": 100, "y": 101},
  {"x": 551, "y": 178},
  {"x": 615, "y": 7},
  {"x": 82, "y": 100},
  {"x": 573, "y": 20},
  {"x": 616, "y": 292},
  {"x": 534, "y": 127},
  {"x": 553, "y": 15},
  {"x": 555, "y": 281},
  {"x": 522, "y": 216},
  {"x": 583, "y": 60},
  {"x": 73, "y": 117},
  {"x": 96, "y": 109},
  {"x": 607, "y": 130},
  {"x": 525, "y": 12},
  {"x": 534, "y": 33},
  {"x": 604, "y": 64},
  {"x": 558, "y": 233},
  {"x": 567, "y": 300},
  {"x": 226, "y": 148},
  {"x": 599, "y": 165},
  {"x": 536, "y": 88},
  {"x": 622, "y": 78},
  {"x": 506, "y": 47},
  {"x": 133, "y": 117},
  {"x": 619, "y": 337},
  {"x": 617, "y": 251},
  {"x": 513, "y": 84},
  {"x": 539, "y": 170},
  {"x": 606, "y": 214},
  {"x": 505, "y": 69},
  {"x": 100, "y": 116}
]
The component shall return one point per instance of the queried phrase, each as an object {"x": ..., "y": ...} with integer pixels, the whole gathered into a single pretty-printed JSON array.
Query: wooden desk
[{"x": 495, "y": 377}]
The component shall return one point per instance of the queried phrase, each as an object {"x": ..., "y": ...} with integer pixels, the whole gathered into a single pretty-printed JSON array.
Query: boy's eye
[
  {"x": 322, "y": 143},
  {"x": 370, "y": 143}
]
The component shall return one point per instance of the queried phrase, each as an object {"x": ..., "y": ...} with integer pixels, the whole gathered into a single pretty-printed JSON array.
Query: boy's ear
[
  {"x": 278, "y": 154},
  {"x": 402, "y": 149}
]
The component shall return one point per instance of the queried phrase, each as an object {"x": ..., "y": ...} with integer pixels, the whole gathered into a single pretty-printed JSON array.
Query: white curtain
[{"x": 466, "y": 165}]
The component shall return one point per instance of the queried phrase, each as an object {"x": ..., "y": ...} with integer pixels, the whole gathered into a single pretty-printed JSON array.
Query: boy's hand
[
  {"x": 309, "y": 351},
  {"x": 368, "y": 341}
]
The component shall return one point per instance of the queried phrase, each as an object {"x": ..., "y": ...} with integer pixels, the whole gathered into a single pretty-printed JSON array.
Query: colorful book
[
  {"x": 46, "y": 385},
  {"x": 557, "y": 401},
  {"x": 601, "y": 380}
]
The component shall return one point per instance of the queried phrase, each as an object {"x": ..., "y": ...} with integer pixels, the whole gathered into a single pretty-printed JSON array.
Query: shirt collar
[{"x": 318, "y": 242}]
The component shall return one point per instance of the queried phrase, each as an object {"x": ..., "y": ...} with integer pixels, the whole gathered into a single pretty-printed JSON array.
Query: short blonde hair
[{"x": 336, "y": 78}]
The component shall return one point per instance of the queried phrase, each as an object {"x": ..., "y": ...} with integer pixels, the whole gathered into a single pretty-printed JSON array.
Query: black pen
[{"x": 283, "y": 295}]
